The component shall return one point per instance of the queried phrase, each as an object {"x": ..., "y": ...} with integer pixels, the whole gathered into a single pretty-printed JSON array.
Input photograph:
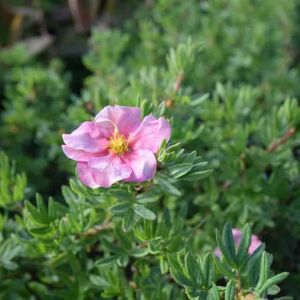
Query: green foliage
[
  {"x": 34, "y": 99},
  {"x": 12, "y": 185},
  {"x": 247, "y": 275},
  {"x": 226, "y": 75}
]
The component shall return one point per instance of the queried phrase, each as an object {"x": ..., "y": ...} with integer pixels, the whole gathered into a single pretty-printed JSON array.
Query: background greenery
[{"x": 228, "y": 73}]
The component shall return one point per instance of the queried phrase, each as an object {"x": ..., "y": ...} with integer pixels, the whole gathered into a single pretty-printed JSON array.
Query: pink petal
[
  {"x": 86, "y": 137},
  {"x": 126, "y": 119},
  {"x": 150, "y": 134},
  {"x": 85, "y": 175},
  {"x": 79, "y": 155},
  {"x": 255, "y": 243},
  {"x": 218, "y": 252},
  {"x": 237, "y": 235},
  {"x": 142, "y": 164},
  {"x": 108, "y": 169}
]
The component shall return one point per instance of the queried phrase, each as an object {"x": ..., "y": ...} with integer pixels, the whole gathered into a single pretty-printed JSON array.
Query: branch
[
  {"x": 284, "y": 138},
  {"x": 97, "y": 229},
  {"x": 178, "y": 83}
]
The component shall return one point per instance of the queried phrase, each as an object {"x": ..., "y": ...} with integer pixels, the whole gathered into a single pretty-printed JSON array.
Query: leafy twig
[{"x": 282, "y": 140}]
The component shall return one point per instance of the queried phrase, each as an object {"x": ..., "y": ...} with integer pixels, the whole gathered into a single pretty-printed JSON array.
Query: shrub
[{"x": 225, "y": 73}]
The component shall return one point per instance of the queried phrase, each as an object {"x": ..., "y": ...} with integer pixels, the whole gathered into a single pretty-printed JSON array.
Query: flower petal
[
  {"x": 108, "y": 169},
  {"x": 142, "y": 164},
  {"x": 255, "y": 243},
  {"x": 87, "y": 137},
  {"x": 85, "y": 175},
  {"x": 237, "y": 235},
  {"x": 150, "y": 134},
  {"x": 79, "y": 155},
  {"x": 126, "y": 119}
]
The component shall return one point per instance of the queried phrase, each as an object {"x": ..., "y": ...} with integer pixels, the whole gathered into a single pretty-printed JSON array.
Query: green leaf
[
  {"x": 99, "y": 281},
  {"x": 68, "y": 194},
  {"x": 120, "y": 208},
  {"x": 272, "y": 281},
  {"x": 189, "y": 157},
  {"x": 223, "y": 268},
  {"x": 163, "y": 264},
  {"x": 214, "y": 293},
  {"x": 230, "y": 290},
  {"x": 229, "y": 244},
  {"x": 149, "y": 197},
  {"x": 107, "y": 261},
  {"x": 178, "y": 273},
  {"x": 243, "y": 249},
  {"x": 273, "y": 290},
  {"x": 143, "y": 212},
  {"x": 208, "y": 269},
  {"x": 197, "y": 175},
  {"x": 192, "y": 267},
  {"x": 128, "y": 220},
  {"x": 180, "y": 170},
  {"x": 166, "y": 186},
  {"x": 227, "y": 255},
  {"x": 123, "y": 237},
  {"x": 264, "y": 270},
  {"x": 139, "y": 252},
  {"x": 248, "y": 265}
]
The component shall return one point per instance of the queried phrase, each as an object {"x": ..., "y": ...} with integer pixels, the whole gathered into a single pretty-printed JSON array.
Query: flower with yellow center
[{"x": 117, "y": 144}]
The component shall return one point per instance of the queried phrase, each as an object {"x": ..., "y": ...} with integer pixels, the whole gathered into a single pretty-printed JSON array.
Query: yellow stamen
[{"x": 118, "y": 144}]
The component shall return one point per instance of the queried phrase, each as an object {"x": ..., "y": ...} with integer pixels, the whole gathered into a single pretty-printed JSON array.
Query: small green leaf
[
  {"x": 166, "y": 186},
  {"x": 208, "y": 269},
  {"x": 178, "y": 273},
  {"x": 123, "y": 237},
  {"x": 143, "y": 212},
  {"x": 273, "y": 290},
  {"x": 148, "y": 197},
  {"x": 99, "y": 281},
  {"x": 230, "y": 290},
  {"x": 252, "y": 260},
  {"x": 107, "y": 261},
  {"x": 192, "y": 267},
  {"x": 244, "y": 245},
  {"x": 224, "y": 250},
  {"x": 120, "y": 208},
  {"x": 139, "y": 252},
  {"x": 272, "y": 281},
  {"x": 197, "y": 175},
  {"x": 180, "y": 170},
  {"x": 229, "y": 244},
  {"x": 163, "y": 264},
  {"x": 128, "y": 220},
  {"x": 264, "y": 270},
  {"x": 214, "y": 293},
  {"x": 223, "y": 268}
]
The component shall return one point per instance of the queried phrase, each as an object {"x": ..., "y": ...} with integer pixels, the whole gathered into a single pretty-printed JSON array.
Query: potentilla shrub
[
  {"x": 247, "y": 129},
  {"x": 123, "y": 230},
  {"x": 171, "y": 54},
  {"x": 34, "y": 100}
]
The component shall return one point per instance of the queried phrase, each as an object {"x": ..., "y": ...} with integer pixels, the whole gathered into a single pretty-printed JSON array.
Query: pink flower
[
  {"x": 237, "y": 236},
  {"x": 116, "y": 145}
]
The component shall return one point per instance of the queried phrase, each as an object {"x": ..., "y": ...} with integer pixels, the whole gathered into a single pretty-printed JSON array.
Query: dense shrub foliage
[{"x": 226, "y": 76}]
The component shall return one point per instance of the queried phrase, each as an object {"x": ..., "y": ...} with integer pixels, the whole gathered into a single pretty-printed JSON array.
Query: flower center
[{"x": 118, "y": 144}]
